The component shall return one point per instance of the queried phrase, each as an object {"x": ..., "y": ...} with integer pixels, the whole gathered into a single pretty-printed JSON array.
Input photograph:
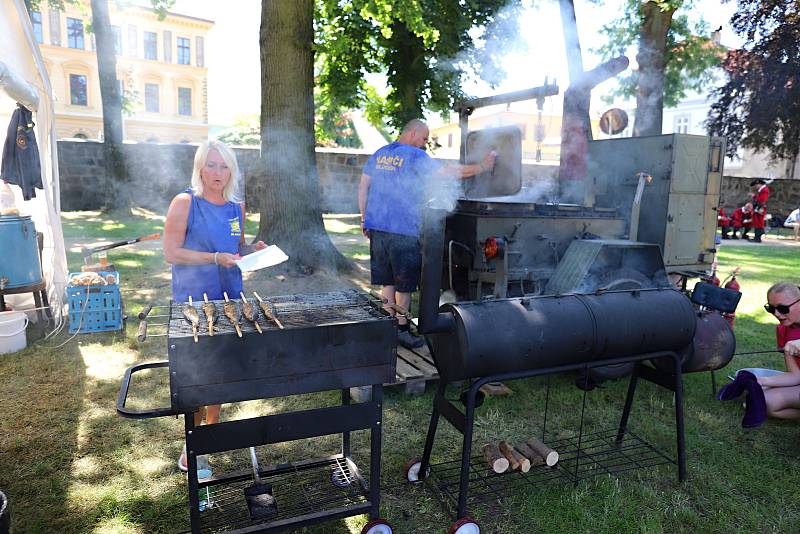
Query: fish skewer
[
  {"x": 211, "y": 314},
  {"x": 232, "y": 313},
  {"x": 191, "y": 316},
  {"x": 250, "y": 312},
  {"x": 266, "y": 307}
]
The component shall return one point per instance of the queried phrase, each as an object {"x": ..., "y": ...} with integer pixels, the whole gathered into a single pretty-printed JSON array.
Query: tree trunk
[
  {"x": 652, "y": 62},
  {"x": 118, "y": 188},
  {"x": 289, "y": 192}
]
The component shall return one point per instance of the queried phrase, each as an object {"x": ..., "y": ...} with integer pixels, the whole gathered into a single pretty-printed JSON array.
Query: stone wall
[
  {"x": 784, "y": 195},
  {"x": 159, "y": 172}
]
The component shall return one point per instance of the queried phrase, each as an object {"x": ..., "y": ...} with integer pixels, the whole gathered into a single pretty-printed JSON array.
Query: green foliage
[
  {"x": 333, "y": 126},
  {"x": 245, "y": 131},
  {"x": 690, "y": 54},
  {"x": 759, "y": 105},
  {"x": 424, "y": 46}
]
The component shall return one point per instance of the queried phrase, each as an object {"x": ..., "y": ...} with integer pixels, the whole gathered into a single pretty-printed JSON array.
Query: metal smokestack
[
  {"x": 430, "y": 320},
  {"x": 575, "y": 132}
]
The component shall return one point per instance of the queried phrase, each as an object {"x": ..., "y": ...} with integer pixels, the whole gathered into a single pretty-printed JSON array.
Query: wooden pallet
[{"x": 414, "y": 369}]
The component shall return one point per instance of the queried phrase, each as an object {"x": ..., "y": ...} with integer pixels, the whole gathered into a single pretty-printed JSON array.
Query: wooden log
[
  {"x": 497, "y": 462},
  {"x": 550, "y": 456},
  {"x": 517, "y": 460},
  {"x": 530, "y": 454},
  {"x": 505, "y": 450}
]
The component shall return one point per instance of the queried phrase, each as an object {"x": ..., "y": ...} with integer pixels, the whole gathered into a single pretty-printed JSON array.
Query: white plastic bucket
[{"x": 12, "y": 331}]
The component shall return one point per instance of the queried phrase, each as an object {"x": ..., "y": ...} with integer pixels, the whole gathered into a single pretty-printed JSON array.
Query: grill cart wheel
[
  {"x": 465, "y": 525},
  {"x": 411, "y": 470},
  {"x": 377, "y": 526},
  {"x": 339, "y": 478}
]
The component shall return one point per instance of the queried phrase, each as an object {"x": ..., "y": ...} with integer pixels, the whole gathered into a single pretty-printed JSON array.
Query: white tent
[{"x": 23, "y": 79}]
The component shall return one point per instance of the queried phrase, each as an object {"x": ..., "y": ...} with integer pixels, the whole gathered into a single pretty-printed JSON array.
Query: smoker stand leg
[
  {"x": 713, "y": 384},
  {"x": 426, "y": 454},
  {"x": 626, "y": 411},
  {"x": 346, "y": 435},
  {"x": 194, "y": 500},
  {"x": 375, "y": 455},
  {"x": 679, "y": 418},
  {"x": 466, "y": 451}
]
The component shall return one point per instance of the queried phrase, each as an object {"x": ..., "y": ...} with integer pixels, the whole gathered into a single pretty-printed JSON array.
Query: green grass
[{"x": 70, "y": 464}]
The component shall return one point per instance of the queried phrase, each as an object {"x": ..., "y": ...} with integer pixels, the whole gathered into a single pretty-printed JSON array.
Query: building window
[
  {"x": 117, "y": 32},
  {"x": 184, "y": 101},
  {"x": 184, "y": 52},
  {"x": 150, "y": 45},
  {"x": 681, "y": 124},
  {"x": 75, "y": 33},
  {"x": 151, "y": 97},
  {"x": 36, "y": 20},
  {"x": 77, "y": 90},
  {"x": 133, "y": 43}
]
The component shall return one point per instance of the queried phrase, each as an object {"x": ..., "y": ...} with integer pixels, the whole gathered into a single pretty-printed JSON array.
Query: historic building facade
[{"x": 160, "y": 67}]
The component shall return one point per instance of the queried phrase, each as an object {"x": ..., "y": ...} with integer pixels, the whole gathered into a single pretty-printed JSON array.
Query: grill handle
[{"x": 123, "y": 394}]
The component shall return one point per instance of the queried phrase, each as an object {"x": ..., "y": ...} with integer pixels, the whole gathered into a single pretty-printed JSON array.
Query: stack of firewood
[{"x": 522, "y": 456}]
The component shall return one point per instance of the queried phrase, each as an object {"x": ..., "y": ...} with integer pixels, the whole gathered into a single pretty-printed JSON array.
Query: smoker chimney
[
  {"x": 430, "y": 320},
  {"x": 575, "y": 128}
]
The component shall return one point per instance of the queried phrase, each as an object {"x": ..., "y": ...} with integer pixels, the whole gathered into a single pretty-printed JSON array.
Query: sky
[{"x": 233, "y": 50}]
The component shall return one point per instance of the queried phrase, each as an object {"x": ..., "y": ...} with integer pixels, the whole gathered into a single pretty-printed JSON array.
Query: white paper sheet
[{"x": 272, "y": 255}]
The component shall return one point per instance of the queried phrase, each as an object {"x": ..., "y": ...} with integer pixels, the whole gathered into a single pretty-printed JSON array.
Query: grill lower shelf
[
  {"x": 301, "y": 490},
  {"x": 598, "y": 454}
]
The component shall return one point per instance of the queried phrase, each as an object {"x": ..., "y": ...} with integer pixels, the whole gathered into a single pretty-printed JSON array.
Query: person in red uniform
[
  {"x": 782, "y": 392},
  {"x": 760, "y": 196},
  {"x": 724, "y": 222},
  {"x": 741, "y": 218}
]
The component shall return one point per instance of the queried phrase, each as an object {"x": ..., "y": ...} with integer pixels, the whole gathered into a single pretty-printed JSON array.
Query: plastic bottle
[
  {"x": 204, "y": 494},
  {"x": 8, "y": 205}
]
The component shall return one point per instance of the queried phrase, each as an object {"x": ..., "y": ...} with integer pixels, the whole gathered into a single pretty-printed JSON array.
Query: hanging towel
[
  {"x": 755, "y": 412},
  {"x": 21, "y": 164}
]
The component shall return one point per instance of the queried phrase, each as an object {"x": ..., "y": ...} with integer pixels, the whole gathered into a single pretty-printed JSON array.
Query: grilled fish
[
  {"x": 191, "y": 315},
  {"x": 268, "y": 313},
  {"x": 249, "y": 311},
  {"x": 211, "y": 315},
  {"x": 232, "y": 312}
]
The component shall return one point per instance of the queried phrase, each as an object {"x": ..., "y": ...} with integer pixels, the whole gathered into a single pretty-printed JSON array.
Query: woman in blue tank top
[{"x": 204, "y": 236}]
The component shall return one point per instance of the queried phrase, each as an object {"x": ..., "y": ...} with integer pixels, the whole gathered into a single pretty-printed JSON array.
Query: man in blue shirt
[{"x": 390, "y": 198}]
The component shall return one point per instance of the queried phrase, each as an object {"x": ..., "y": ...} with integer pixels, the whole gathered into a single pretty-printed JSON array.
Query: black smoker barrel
[{"x": 526, "y": 333}]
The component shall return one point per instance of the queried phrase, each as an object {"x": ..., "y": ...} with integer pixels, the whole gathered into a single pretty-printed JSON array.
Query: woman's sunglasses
[{"x": 783, "y": 308}]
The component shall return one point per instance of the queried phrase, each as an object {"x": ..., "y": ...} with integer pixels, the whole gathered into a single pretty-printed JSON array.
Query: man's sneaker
[{"x": 409, "y": 341}]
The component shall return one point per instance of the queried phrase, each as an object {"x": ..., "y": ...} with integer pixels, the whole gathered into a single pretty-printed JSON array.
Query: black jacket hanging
[{"x": 21, "y": 164}]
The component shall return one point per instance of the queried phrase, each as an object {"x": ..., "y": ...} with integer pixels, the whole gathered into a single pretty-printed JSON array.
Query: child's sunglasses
[{"x": 783, "y": 308}]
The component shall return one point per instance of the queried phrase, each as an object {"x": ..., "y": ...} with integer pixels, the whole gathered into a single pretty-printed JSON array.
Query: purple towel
[{"x": 755, "y": 412}]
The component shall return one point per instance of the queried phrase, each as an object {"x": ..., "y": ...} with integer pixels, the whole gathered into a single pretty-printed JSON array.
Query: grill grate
[
  {"x": 599, "y": 454},
  {"x": 298, "y": 491},
  {"x": 293, "y": 311}
]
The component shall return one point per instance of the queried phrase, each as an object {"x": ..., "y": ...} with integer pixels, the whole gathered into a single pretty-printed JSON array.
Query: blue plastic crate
[{"x": 94, "y": 308}]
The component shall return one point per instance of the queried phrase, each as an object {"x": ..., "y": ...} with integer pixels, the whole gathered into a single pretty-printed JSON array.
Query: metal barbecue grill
[{"x": 327, "y": 341}]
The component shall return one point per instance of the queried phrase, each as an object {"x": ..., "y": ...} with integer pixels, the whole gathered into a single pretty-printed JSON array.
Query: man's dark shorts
[{"x": 395, "y": 260}]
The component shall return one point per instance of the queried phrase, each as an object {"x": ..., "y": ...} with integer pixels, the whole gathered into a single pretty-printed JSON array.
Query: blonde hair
[
  {"x": 200, "y": 158},
  {"x": 785, "y": 287}
]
